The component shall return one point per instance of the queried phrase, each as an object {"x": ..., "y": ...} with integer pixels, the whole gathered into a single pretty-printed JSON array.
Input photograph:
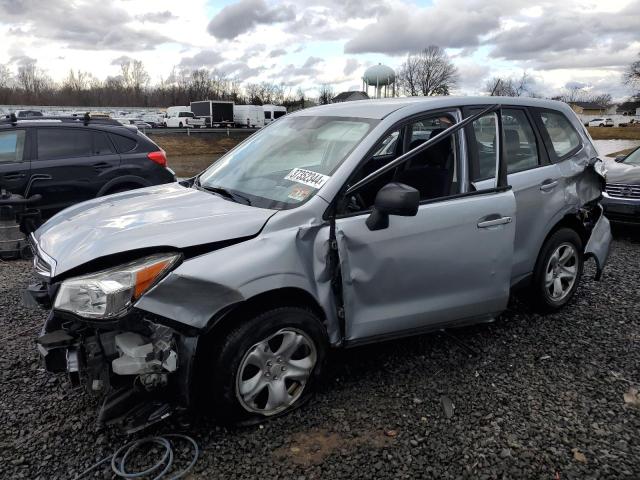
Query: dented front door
[{"x": 451, "y": 262}]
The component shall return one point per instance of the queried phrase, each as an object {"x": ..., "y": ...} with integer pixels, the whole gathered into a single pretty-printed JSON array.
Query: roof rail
[{"x": 86, "y": 119}]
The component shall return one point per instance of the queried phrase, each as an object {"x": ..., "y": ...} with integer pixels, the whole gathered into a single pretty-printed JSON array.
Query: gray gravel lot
[{"x": 542, "y": 399}]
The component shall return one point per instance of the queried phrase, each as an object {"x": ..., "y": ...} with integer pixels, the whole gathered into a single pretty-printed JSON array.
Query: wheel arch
[
  {"x": 229, "y": 317},
  {"x": 137, "y": 182}
]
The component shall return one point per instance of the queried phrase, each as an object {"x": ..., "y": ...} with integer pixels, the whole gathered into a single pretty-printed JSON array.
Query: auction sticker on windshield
[{"x": 307, "y": 177}]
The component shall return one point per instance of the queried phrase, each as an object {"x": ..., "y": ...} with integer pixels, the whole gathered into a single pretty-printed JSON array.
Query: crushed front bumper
[{"x": 137, "y": 367}]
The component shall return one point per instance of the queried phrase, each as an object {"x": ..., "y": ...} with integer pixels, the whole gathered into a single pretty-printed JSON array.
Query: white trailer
[
  {"x": 249, "y": 116},
  {"x": 272, "y": 113}
]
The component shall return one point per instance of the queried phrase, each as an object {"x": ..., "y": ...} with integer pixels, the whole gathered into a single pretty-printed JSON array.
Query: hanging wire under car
[{"x": 160, "y": 469}]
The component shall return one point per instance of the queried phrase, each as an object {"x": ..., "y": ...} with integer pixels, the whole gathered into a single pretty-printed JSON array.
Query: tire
[
  {"x": 601, "y": 125},
  {"x": 547, "y": 297},
  {"x": 180, "y": 125},
  {"x": 234, "y": 359}
]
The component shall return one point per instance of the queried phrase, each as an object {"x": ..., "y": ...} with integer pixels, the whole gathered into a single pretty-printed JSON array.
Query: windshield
[
  {"x": 633, "y": 158},
  {"x": 285, "y": 164}
]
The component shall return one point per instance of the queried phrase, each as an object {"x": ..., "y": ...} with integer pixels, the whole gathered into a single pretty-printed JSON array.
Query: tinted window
[
  {"x": 123, "y": 144},
  {"x": 101, "y": 144},
  {"x": 484, "y": 140},
  {"x": 278, "y": 114},
  {"x": 520, "y": 144},
  {"x": 12, "y": 146},
  {"x": 562, "y": 135},
  {"x": 62, "y": 142},
  {"x": 267, "y": 114}
]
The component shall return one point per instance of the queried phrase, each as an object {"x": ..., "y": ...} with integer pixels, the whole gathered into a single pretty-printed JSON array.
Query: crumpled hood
[
  {"x": 622, "y": 173},
  {"x": 167, "y": 215}
]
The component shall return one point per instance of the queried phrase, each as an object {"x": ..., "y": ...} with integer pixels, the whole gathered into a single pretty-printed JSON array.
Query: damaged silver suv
[{"x": 333, "y": 227}]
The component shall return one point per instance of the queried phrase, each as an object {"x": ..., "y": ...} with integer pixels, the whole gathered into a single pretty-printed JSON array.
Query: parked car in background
[
  {"x": 273, "y": 112},
  {"x": 622, "y": 194},
  {"x": 600, "y": 122},
  {"x": 182, "y": 117},
  {"x": 28, "y": 113},
  {"x": 68, "y": 160},
  {"x": 339, "y": 225},
  {"x": 251, "y": 116}
]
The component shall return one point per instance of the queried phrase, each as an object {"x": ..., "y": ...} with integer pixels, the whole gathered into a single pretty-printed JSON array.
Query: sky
[{"x": 304, "y": 44}]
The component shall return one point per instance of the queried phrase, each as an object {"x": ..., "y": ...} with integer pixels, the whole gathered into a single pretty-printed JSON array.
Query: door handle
[
  {"x": 494, "y": 222},
  {"x": 14, "y": 176},
  {"x": 548, "y": 185}
]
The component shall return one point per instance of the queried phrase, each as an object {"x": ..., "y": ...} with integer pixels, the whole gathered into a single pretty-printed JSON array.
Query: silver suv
[{"x": 333, "y": 227}]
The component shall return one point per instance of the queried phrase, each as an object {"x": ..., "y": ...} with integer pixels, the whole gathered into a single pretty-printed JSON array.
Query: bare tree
[
  {"x": 632, "y": 77},
  {"x": 580, "y": 93},
  {"x": 510, "y": 86},
  {"x": 429, "y": 72},
  {"x": 33, "y": 81},
  {"x": 326, "y": 94}
]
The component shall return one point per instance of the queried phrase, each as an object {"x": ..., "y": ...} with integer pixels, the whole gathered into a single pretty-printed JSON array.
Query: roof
[
  {"x": 380, "y": 108},
  {"x": 589, "y": 105}
]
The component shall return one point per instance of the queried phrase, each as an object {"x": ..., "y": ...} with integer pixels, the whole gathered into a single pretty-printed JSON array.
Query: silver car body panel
[
  {"x": 168, "y": 215},
  {"x": 466, "y": 271}
]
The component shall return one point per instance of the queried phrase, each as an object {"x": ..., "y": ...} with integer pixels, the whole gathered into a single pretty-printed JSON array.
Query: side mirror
[
  {"x": 393, "y": 199},
  {"x": 620, "y": 159}
]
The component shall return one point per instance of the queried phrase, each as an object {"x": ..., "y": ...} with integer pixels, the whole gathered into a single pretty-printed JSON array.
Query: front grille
[{"x": 623, "y": 191}]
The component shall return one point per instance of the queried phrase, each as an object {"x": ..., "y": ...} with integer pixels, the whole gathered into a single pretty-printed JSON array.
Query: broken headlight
[{"x": 109, "y": 293}]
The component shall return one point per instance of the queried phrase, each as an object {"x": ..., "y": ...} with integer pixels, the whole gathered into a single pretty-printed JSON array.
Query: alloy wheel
[{"x": 561, "y": 272}]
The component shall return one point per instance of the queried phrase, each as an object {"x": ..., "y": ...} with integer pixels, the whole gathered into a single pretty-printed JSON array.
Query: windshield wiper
[{"x": 223, "y": 192}]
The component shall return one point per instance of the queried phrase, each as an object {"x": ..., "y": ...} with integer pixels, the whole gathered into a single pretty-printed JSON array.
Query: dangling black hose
[{"x": 159, "y": 469}]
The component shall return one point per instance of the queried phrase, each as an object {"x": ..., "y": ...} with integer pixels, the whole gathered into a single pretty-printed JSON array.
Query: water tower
[{"x": 379, "y": 76}]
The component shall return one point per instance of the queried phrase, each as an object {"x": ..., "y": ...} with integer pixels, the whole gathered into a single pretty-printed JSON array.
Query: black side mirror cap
[{"x": 393, "y": 199}]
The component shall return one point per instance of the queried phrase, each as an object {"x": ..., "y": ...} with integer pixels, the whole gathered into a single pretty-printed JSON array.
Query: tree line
[
  {"x": 31, "y": 85},
  {"x": 428, "y": 72}
]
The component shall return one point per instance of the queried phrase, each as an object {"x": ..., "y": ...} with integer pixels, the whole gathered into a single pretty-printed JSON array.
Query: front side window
[
  {"x": 267, "y": 115},
  {"x": 64, "y": 142},
  {"x": 285, "y": 165},
  {"x": 12, "y": 146},
  {"x": 520, "y": 146},
  {"x": 564, "y": 139}
]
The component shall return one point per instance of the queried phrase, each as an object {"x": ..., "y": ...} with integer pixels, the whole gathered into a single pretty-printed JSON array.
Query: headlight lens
[{"x": 109, "y": 293}]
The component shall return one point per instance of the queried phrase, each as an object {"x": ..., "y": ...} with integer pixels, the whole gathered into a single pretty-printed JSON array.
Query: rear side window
[
  {"x": 101, "y": 144},
  {"x": 123, "y": 144},
  {"x": 63, "y": 142},
  {"x": 12, "y": 146},
  {"x": 564, "y": 139},
  {"x": 521, "y": 148},
  {"x": 278, "y": 114}
]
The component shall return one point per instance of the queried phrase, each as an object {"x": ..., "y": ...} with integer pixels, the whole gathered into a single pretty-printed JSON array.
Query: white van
[
  {"x": 250, "y": 116},
  {"x": 181, "y": 117},
  {"x": 273, "y": 112}
]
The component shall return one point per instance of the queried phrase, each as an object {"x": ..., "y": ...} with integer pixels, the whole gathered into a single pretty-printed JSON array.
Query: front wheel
[
  {"x": 558, "y": 271},
  {"x": 266, "y": 366}
]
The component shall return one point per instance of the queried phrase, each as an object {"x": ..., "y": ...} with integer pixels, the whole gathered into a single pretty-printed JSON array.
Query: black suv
[{"x": 69, "y": 159}]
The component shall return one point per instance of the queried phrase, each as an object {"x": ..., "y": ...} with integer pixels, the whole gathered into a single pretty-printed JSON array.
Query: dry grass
[
  {"x": 614, "y": 133},
  {"x": 195, "y": 144}
]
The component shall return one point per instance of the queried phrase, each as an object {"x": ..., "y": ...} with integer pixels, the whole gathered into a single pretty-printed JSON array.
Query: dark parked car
[
  {"x": 621, "y": 200},
  {"x": 69, "y": 160}
]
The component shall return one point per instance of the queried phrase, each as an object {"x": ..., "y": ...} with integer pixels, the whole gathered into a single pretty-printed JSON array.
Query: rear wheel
[
  {"x": 266, "y": 366},
  {"x": 558, "y": 271},
  {"x": 180, "y": 125}
]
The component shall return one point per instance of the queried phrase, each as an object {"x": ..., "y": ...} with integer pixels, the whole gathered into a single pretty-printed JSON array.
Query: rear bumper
[{"x": 620, "y": 209}]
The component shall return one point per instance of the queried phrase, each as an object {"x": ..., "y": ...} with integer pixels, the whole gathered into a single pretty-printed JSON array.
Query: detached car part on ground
[{"x": 335, "y": 226}]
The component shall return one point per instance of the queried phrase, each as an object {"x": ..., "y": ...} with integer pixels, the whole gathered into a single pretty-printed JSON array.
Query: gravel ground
[{"x": 544, "y": 397}]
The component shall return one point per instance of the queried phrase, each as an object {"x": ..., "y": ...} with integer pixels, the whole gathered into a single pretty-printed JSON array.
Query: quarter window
[
  {"x": 102, "y": 145},
  {"x": 123, "y": 144},
  {"x": 12, "y": 146},
  {"x": 61, "y": 142},
  {"x": 563, "y": 136},
  {"x": 520, "y": 145}
]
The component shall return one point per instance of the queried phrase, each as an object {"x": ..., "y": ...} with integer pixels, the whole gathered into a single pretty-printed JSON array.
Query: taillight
[{"x": 159, "y": 157}]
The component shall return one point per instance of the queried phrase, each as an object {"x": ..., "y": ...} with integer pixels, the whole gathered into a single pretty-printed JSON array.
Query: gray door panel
[{"x": 437, "y": 267}]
